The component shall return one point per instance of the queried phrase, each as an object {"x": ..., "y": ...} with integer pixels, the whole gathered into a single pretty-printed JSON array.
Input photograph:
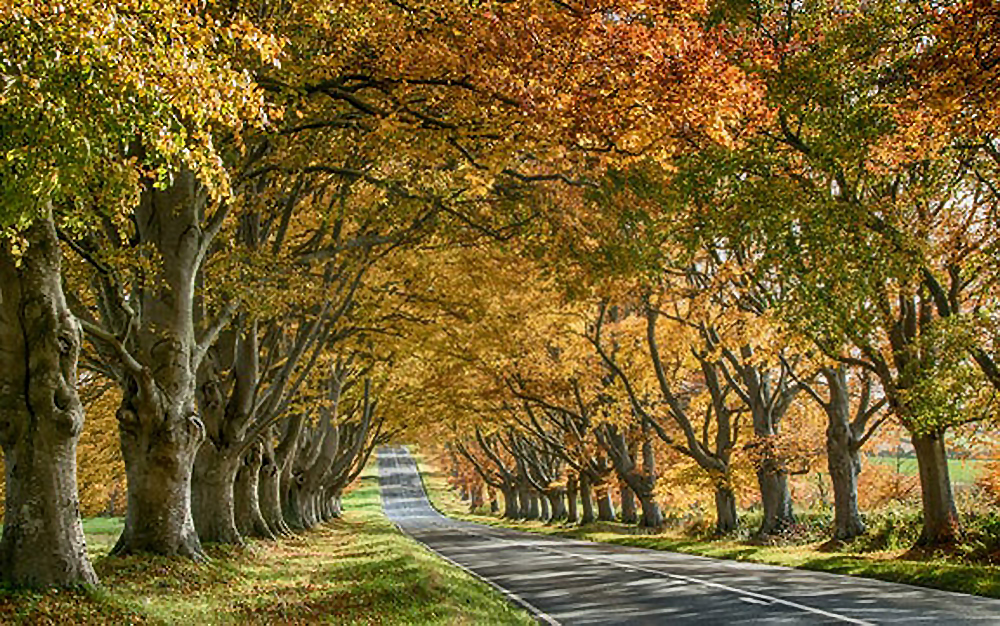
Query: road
[{"x": 564, "y": 581}]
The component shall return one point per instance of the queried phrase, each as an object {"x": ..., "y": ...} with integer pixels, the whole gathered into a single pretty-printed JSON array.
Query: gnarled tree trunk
[
  {"x": 158, "y": 421},
  {"x": 159, "y": 439},
  {"x": 40, "y": 418},
  {"x": 269, "y": 496},
  {"x": 213, "y": 497},
  {"x": 557, "y": 504},
  {"x": 249, "y": 519}
]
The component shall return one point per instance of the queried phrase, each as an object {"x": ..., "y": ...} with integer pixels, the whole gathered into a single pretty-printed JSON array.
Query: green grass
[
  {"x": 937, "y": 571},
  {"x": 962, "y": 471},
  {"x": 357, "y": 570},
  {"x": 102, "y": 533}
]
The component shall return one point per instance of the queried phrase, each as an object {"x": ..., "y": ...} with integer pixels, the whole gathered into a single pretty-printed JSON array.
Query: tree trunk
[
  {"x": 477, "y": 498},
  {"x": 249, "y": 519},
  {"x": 842, "y": 457},
  {"x": 269, "y": 495},
  {"x": 629, "y": 515},
  {"x": 557, "y": 504},
  {"x": 941, "y": 523},
  {"x": 775, "y": 498},
  {"x": 524, "y": 502},
  {"x": 336, "y": 508},
  {"x": 652, "y": 516},
  {"x": 844, "y": 465},
  {"x": 533, "y": 509},
  {"x": 212, "y": 496},
  {"x": 510, "y": 503},
  {"x": 158, "y": 421},
  {"x": 586, "y": 499},
  {"x": 494, "y": 505},
  {"x": 158, "y": 467},
  {"x": 40, "y": 419},
  {"x": 572, "y": 489},
  {"x": 726, "y": 520},
  {"x": 291, "y": 506},
  {"x": 544, "y": 514},
  {"x": 605, "y": 507}
]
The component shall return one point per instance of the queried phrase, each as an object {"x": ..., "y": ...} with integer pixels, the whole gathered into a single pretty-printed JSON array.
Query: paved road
[{"x": 563, "y": 581}]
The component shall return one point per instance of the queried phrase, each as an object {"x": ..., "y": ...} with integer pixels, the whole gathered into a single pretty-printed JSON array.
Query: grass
[
  {"x": 898, "y": 564},
  {"x": 356, "y": 570},
  {"x": 962, "y": 471}
]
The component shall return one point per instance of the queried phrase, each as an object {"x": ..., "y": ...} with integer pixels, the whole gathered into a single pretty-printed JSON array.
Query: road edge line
[
  {"x": 538, "y": 614},
  {"x": 541, "y": 616}
]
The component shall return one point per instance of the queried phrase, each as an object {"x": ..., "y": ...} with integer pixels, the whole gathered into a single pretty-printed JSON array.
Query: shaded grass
[
  {"x": 937, "y": 571},
  {"x": 356, "y": 570}
]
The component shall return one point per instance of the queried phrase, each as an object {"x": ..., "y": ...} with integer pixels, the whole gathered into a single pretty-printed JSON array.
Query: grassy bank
[
  {"x": 358, "y": 570},
  {"x": 896, "y": 564}
]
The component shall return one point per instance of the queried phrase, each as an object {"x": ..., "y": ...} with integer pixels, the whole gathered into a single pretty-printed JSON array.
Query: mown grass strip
[{"x": 357, "y": 570}]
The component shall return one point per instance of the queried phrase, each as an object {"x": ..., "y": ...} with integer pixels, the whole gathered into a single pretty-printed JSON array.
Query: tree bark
[
  {"x": 249, "y": 518},
  {"x": 844, "y": 464},
  {"x": 269, "y": 491},
  {"x": 159, "y": 439},
  {"x": 477, "y": 500},
  {"x": 158, "y": 421},
  {"x": 557, "y": 504},
  {"x": 572, "y": 489},
  {"x": 726, "y": 520},
  {"x": 544, "y": 513},
  {"x": 586, "y": 499},
  {"x": 41, "y": 417},
  {"x": 652, "y": 516},
  {"x": 510, "y": 503},
  {"x": 524, "y": 502},
  {"x": 605, "y": 507},
  {"x": 843, "y": 460},
  {"x": 941, "y": 523},
  {"x": 212, "y": 495},
  {"x": 776, "y": 500},
  {"x": 629, "y": 514},
  {"x": 533, "y": 509}
]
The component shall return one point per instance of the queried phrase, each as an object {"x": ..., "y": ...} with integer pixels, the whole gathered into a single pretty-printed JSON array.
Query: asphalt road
[{"x": 563, "y": 581}]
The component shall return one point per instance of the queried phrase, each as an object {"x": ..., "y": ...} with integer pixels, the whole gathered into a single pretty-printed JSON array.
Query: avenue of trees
[{"x": 584, "y": 243}]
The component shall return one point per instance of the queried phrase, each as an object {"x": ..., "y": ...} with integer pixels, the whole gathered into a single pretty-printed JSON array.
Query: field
[{"x": 962, "y": 471}]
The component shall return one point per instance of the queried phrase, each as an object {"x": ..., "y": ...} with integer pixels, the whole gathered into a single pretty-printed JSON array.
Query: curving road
[{"x": 563, "y": 581}]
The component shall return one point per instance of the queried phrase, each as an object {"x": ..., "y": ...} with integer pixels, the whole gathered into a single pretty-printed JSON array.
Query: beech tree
[{"x": 64, "y": 147}]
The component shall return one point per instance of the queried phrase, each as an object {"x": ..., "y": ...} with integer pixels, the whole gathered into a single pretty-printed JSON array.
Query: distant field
[{"x": 963, "y": 471}]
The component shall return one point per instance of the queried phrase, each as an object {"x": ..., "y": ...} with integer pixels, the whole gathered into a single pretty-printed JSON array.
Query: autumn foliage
[{"x": 666, "y": 262}]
